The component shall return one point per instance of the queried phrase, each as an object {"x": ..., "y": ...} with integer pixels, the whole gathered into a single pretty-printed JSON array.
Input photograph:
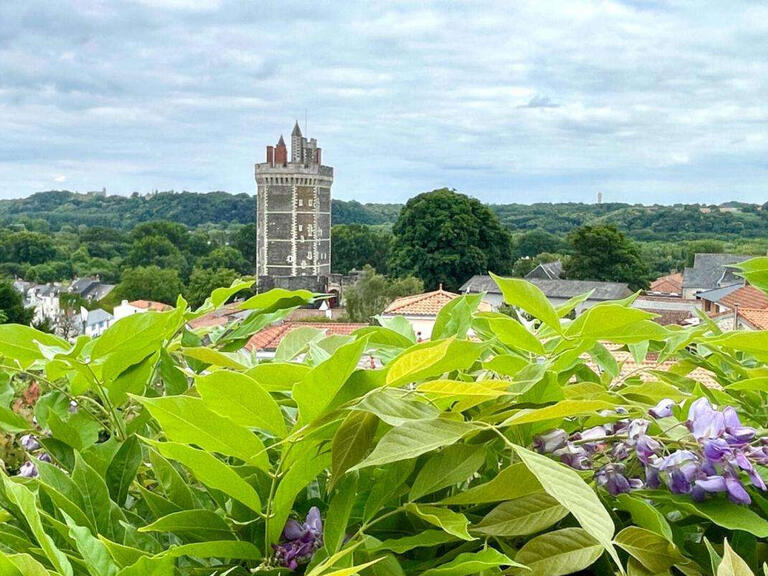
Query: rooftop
[
  {"x": 427, "y": 304},
  {"x": 669, "y": 284},
  {"x": 269, "y": 338},
  {"x": 150, "y": 305},
  {"x": 711, "y": 270},
  {"x": 757, "y": 318},
  {"x": 746, "y": 297},
  {"x": 555, "y": 288}
]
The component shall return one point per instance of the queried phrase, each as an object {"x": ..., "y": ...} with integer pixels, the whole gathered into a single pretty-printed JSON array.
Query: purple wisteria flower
[
  {"x": 299, "y": 542},
  {"x": 722, "y": 455},
  {"x": 28, "y": 470},
  {"x": 29, "y": 442}
]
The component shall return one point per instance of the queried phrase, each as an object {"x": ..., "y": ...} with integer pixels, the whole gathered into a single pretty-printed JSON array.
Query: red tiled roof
[
  {"x": 669, "y": 284},
  {"x": 427, "y": 304},
  {"x": 269, "y": 338},
  {"x": 667, "y": 317},
  {"x": 746, "y": 297},
  {"x": 150, "y": 305},
  {"x": 757, "y": 318}
]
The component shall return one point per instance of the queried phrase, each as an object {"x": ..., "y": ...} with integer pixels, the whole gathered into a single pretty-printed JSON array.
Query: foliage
[
  {"x": 443, "y": 237},
  {"x": 168, "y": 451},
  {"x": 531, "y": 244},
  {"x": 603, "y": 253},
  {"x": 12, "y": 305},
  {"x": 150, "y": 283},
  {"x": 204, "y": 281},
  {"x": 373, "y": 292},
  {"x": 355, "y": 246}
]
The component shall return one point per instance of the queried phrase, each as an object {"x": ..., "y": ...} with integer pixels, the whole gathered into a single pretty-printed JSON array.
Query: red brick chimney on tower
[{"x": 281, "y": 152}]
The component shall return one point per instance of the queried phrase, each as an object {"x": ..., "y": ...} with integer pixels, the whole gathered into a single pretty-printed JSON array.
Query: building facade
[{"x": 293, "y": 210}]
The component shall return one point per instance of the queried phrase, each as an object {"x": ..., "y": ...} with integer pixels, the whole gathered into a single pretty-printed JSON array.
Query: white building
[
  {"x": 126, "y": 308},
  {"x": 95, "y": 322}
]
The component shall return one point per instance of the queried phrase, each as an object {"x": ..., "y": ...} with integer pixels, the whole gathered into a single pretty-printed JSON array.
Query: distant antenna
[{"x": 599, "y": 197}]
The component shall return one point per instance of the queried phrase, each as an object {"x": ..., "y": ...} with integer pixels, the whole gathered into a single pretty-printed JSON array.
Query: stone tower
[{"x": 293, "y": 210}]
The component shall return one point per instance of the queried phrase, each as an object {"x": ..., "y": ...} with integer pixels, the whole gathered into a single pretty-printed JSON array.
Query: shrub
[{"x": 157, "y": 449}]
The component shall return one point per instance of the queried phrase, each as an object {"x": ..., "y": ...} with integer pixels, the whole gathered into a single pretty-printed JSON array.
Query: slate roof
[
  {"x": 96, "y": 316},
  {"x": 547, "y": 271},
  {"x": 427, "y": 304},
  {"x": 717, "y": 294},
  {"x": 480, "y": 283},
  {"x": 709, "y": 270},
  {"x": 571, "y": 288},
  {"x": 269, "y": 338}
]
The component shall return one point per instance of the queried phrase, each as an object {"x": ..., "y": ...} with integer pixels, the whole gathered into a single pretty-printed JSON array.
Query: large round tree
[{"x": 446, "y": 237}]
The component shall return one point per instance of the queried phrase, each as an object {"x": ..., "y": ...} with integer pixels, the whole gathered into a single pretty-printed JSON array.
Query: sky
[{"x": 540, "y": 101}]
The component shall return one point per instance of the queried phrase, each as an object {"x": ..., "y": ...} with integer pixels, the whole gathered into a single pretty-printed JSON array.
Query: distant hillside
[{"x": 732, "y": 220}]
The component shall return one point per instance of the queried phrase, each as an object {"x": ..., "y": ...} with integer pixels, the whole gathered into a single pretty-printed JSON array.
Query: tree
[
  {"x": 605, "y": 254},
  {"x": 245, "y": 241},
  {"x": 535, "y": 242},
  {"x": 373, "y": 292},
  {"x": 446, "y": 237},
  {"x": 29, "y": 248},
  {"x": 226, "y": 257},
  {"x": 355, "y": 245},
  {"x": 12, "y": 305},
  {"x": 156, "y": 251},
  {"x": 204, "y": 281},
  {"x": 150, "y": 283}
]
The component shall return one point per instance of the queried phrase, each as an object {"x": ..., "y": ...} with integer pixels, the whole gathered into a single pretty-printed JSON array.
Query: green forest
[{"x": 158, "y": 245}]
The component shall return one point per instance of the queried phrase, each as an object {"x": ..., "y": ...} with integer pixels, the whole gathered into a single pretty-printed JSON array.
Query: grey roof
[
  {"x": 81, "y": 285},
  {"x": 296, "y": 129},
  {"x": 99, "y": 291},
  {"x": 709, "y": 270},
  {"x": 716, "y": 294},
  {"x": 480, "y": 283},
  {"x": 547, "y": 271},
  {"x": 555, "y": 288},
  {"x": 96, "y": 316},
  {"x": 570, "y": 288}
]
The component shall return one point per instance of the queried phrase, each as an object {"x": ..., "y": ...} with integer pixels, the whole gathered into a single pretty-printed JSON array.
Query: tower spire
[{"x": 296, "y": 129}]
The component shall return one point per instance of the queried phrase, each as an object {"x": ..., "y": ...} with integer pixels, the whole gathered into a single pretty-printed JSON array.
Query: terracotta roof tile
[
  {"x": 427, "y": 304},
  {"x": 669, "y": 284},
  {"x": 757, "y": 318},
  {"x": 746, "y": 297},
  {"x": 269, "y": 338},
  {"x": 150, "y": 305}
]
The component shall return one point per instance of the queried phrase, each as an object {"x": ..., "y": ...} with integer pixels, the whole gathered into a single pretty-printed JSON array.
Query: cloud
[{"x": 530, "y": 101}]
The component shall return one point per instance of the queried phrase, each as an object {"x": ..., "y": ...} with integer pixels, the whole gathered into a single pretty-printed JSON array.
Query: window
[
  {"x": 301, "y": 227},
  {"x": 310, "y": 202},
  {"x": 301, "y": 202}
]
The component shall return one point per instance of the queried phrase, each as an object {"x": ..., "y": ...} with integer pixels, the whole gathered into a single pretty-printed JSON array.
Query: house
[
  {"x": 752, "y": 318},
  {"x": 669, "y": 309},
  {"x": 557, "y": 291},
  {"x": 732, "y": 297},
  {"x": 669, "y": 285},
  {"x": 711, "y": 271},
  {"x": 420, "y": 310},
  {"x": 265, "y": 342},
  {"x": 95, "y": 322},
  {"x": 44, "y": 298},
  {"x": 546, "y": 271},
  {"x": 126, "y": 308},
  {"x": 90, "y": 288}
]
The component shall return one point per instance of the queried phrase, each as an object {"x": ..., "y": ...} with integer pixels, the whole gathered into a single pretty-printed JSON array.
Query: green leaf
[
  {"x": 732, "y": 564},
  {"x": 174, "y": 486},
  {"x": 210, "y": 471},
  {"x": 472, "y": 563},
  {"x": 131, "y": 339},
  {"x": 513, "y": 334},
  {"x": 150, "y": 566},
  {"x": 512, "y": 482},
  {"x": 479, "y": 389},
  {"x": 278, "y": 376},
  {"x": 567, "y": 487},
  {"x": 122, "y": 470},
  {"x": 241, "y": 399},
  {"x": 92, "y": 550},
  {"x": 296, "y": 479},
  {"x": 12, "y": 422},
  {"x": 77, "y": 432},
  {"x": 24, "y": 499},
  {"x": 296, "y": 342},
  {"x": 605, "y": 320},
  {"x": 560, "y": 552},
  {"x": 522, "y": 516},
  {"x": 452, "y": 522},
  {"x": 563, "y": 409},
  {"x": 318, "y": 388},
  {"x": 386, "y": 485},
  {"x": 522, "y": 294},
  {"x": 96, "y": 502},
  {"x": 654, "y": 552},
  {"x": 645, "y": 515},
  {"x": 187, "y": 420},
  {"x": 351, "y": 442},
  {"x": 433, "y": 358},
  {"x": 415, "y": 438},
  {"x": 455, "y": 317},
  {"x": 339, "y": 510},
  {"x": 21, "y": 565},
  {"x": 393, "y": 407},
  {"x": 450, "y": 466},
  {"x": 198, "y": 524},
  {"x": 237, "y": 549},
  {"x": 276, "y": 299},
  {"x": 212, "y": 357},
  {"x": 424, "y": 539},
  {"x": 21, "y": 344},
  {"x": 123, "y": 555}
]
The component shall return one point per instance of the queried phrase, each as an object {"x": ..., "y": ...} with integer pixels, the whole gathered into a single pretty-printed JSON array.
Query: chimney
[{"x": 271, "y": 155}]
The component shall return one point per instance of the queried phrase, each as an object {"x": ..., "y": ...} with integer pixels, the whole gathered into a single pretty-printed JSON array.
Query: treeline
[{"x": 55, "y": 210}]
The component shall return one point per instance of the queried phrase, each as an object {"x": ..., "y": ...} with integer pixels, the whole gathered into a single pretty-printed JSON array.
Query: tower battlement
[{"x": 293, "y": 210}]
